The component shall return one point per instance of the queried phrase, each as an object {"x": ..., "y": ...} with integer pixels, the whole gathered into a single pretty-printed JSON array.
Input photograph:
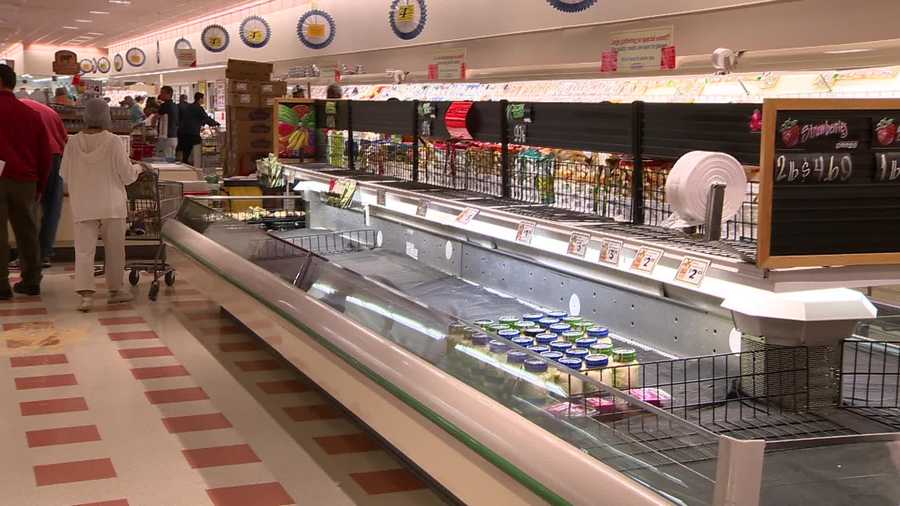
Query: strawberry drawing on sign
[
  {"x": 790, "y": 133},
  {"x": 886, "y": 131}
]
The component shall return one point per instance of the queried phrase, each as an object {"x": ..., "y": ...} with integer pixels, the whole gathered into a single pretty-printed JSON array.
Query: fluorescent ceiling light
[
  {"x": 98, "y": 12},
  {"x": 84, "y": 21},
  {"x": 849, "y": 51},
  {"x": 95, "y": 34},
  {"x": 71, "y": 27},
  {"x": 120, "y": 2}
]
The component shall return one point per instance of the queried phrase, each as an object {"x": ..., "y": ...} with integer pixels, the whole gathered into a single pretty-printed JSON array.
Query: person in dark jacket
[{"x": 191, "y": 123}]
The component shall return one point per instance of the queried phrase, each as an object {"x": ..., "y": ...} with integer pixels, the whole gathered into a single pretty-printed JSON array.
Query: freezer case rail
[
  {"x": 870, "y": 377},
  {"x": 323, "y": 244}
]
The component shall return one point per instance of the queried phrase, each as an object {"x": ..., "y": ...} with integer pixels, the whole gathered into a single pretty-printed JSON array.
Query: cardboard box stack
[{"x": 249, "y": 108}]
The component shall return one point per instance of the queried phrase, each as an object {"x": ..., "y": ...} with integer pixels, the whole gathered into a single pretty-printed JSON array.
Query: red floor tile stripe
[
  {"x": 61, "y": 436},
  {"x": 24, "y": 311},
  {"x": 53, "y": 406},
  {"x": 193, "y": 423},
  {"x": 176, "y": 395},
  {"x": 69, "y": 472},
  {"x": 258, "y": 365},
  {"x": 33, "y": 360},
  {"x": 122, "y": 320},
  {"x": 283, "y": 387},
  {"x": 154, "y": 351},
  {"x": 199, "y": 458},
  {"x": 116, "y": 502},
  {"x": 166, "y": 371},
  {"x": 131, "y": 336},
  {"x": 315, "y": 412},
  {"x": 347, "y": 443},
  {"x": 49, "y": 381},
  {"x": 260, "y": 494},
  {"x": 240, "y": 346},
  {"x": 22, "y": 325},
  {"x": 387, "y": 482}
]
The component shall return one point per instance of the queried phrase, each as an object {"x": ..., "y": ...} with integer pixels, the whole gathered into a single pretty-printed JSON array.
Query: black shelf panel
[
  {"x": 671, "y": 130},
  {"x": 586, "y": 127}
]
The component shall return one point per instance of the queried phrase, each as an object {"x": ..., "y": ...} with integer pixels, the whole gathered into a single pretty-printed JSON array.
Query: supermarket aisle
[{"x": 171, "y": 403}]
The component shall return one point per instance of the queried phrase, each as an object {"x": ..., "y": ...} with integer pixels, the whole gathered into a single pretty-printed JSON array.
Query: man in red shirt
[
  {"x": 24, "y": 163},
  {"x": 52, "y": 199}
]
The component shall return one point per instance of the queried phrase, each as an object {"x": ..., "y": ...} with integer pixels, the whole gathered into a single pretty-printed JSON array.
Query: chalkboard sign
[{"x": 829, "y": 183}]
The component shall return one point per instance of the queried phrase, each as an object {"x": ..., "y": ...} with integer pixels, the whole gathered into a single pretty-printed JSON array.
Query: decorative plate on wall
[
  {"x": 182, "y": 43},
  {"x": 103, "y": 64},
  {"x": 135, "y": 57},
  {"x": 215, "y": 38},
  {"x": 86, "y": 66},
  {"x": 255, "y": 32},
  {"x": 316, "y": 29},
  {"x": 571, "y": 5},
  {"x": 118, "y": 62},
  {"x": 407, "y": 18}
]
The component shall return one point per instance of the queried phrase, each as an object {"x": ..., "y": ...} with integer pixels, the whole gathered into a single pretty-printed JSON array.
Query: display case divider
[
  {"x": 504, "y": 152},
  {"x": 351, "y": 157},
  {"x": 637, "y": 152},
  {"x": 415, "y": 146}
]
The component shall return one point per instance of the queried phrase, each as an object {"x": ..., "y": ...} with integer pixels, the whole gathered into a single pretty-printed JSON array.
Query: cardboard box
[
  {"x": 272, "y": 88},
  {"x": 248, "y": 144},
  {"x": 268, "y": 102},
  {"x": 245, "y": 114},
  {"x": 248, "y": 70},
  {"x": 243, "y": 100},
  {"x": 241, "y": 86},
  {"x": 251, "y": 130}
]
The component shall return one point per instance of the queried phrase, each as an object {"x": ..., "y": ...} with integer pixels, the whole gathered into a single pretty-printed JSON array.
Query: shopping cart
[{"x": 150, "y": 203}]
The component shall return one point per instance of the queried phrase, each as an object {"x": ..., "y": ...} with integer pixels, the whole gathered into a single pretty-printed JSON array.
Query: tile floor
[{"x": 171, "y": 403}]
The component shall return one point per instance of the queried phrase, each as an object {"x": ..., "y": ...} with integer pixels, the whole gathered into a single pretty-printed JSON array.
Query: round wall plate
[
  {"x": 407, "y": 18},
  {"x": 135, "y": 57},
  {"x": 215, "y": 38},
  {"x": 86, "y": 66},
  {"x": 316, "y": 29},
  {"x": 571, "y": 5},
  {"x": 255, "y": 32},
  {"x": 118, "y": 62},
  {"x": 103, "y": 64}
]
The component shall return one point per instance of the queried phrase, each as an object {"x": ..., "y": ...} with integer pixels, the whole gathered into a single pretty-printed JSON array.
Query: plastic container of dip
[
  {"x": 571, "y": 363},
  {"x": 585, "y": 342},
  {"x": 559, "y": 328},
  {"x": 630, "y": 376},
  {"x": 583, "y": 325},
  {"x": 480, "y": 339},
  {"x": 572, "y": 320},
  {"x": 560, "y": 346},
  {"x": 547, "y": 321},
  {"x": 571, "y": 335},
  {"x": 485, "y": 324},
  {"x": 497, "y": 327},
  {"x": 456, "y": 333},
  {"x": 523, "y": 341},
  {"x": 539, "y": 348},
  {"x": 524, "y": 324},
  {"x": 552, "y": 355},
  {"x": 498, "y": 348},
  {"x": 602, "y": 349},
  {"x": 516, "y": 357},
  {"x": 508, "y": 333},
  {"x": 546, "y": 338},
  {"x": 532, "y": 317},
  {"x": 538, "y": 368},
  {"x": 601, "y": 333},
  {"x": 533, "y": 332},
  {"x": 535, "y": 365},
  {"x": 509, "y": 321},
  {"x": 597, "y": 368},
  {"x": 559, "y": 315},
  {"x": 579, "y": 353}
]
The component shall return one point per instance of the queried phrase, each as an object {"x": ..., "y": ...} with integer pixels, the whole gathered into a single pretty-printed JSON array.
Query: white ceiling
[{"x": 43, "y": 21}]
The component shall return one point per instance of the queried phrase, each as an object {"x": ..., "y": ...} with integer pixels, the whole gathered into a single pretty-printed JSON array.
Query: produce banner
[{"x": 295, "y": 129}]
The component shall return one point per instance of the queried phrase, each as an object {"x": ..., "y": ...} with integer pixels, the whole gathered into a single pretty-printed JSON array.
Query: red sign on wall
[
  {"x": 609, "y": 61},
  {"x": 667, "y": 62}
]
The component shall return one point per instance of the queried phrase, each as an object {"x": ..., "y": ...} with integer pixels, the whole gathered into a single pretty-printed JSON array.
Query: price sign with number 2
[
  {"x": 646, "y": 259},
  {"x": 692, "y": 270}
]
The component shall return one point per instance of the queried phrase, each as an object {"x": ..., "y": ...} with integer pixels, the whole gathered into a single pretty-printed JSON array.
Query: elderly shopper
[{"x": 96, "y": 170}]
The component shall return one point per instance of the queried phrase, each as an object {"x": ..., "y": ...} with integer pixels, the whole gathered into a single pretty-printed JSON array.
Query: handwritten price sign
[
  {"x": 578, "y": 244},
  {"x": 467, "y": 215},
  {"x": 692, "y": 270},
  {"x": 646, "y": 259},
  {"x": 525, "y": 232},
  {"x": 422, "y": 208},
  {"x": 610, "y": 251}
]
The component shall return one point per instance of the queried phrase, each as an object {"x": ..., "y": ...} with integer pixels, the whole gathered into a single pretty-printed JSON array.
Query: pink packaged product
[
  {"x": 570, "y": 410},
  {"x": 603, "y": 406},
  {"x": 654, "y": 396}
]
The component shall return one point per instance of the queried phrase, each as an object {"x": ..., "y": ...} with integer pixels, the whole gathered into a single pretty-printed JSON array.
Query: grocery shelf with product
[{"x": 516, "y": 273}]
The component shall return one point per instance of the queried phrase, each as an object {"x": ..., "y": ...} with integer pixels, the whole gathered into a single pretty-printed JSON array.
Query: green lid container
[
  {"x": 508, "y": 320},
  {"x": 497, "y": 327},
  {"x": 572, "y": 320},
  {"x": 602, "y": 349},
  {"x": 485, "y": 324},
  {"x": 624, "y": 355},
  {"x": 524, "y": 324}
]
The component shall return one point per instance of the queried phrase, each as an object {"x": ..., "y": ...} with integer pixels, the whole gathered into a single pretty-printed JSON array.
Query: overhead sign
[
  {"x": 186, "y": 57},
  {"x": 641, "y": 50},
  {"x": 65, "y": 63},
  {"x": 448, "y": 65}
]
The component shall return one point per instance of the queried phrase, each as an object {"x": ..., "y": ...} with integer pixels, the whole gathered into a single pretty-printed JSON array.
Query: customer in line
[
  {"x": 192, "y": 121},
  {"x": 24, "y": 163},
  {"x": 61, "y": 97},
  {"x": 96, "y": 170},
  {"x": 182, "y": 109},
  {"x": 52, "y": 197},
  {"x": 152, "y": 107},
  {"x": 167, "y": 124},
  {"x": 135, "y": 114}
]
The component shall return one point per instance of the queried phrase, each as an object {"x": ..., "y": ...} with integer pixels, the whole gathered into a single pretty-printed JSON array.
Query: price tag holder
[
  {"x": 422, "y": 208},
  {"x": 467, "y": 215},
  {"x": 692, "y": 270},
  {"x": 381, "y": 197},
  {"x": 525, "y": 231},
  {"x": 646, "y": 259},
  {"x": 610, "y": 251},
  {"x": 578, "y": 244}
]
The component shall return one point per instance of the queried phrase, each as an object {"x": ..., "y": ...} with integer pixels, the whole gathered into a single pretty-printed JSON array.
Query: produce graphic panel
[{"x": 295, "y": 129}]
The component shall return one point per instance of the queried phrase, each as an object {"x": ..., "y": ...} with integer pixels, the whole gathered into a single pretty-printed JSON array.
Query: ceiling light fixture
[
  {"x": 84, "y": 21},
  {"x": 120, "y": 2},
  {"x": 849, "y": 51},
  {"x": 98, "y": 12},
  {"x": 70, "y": 27},
  {"x": 95, "y": 34}
]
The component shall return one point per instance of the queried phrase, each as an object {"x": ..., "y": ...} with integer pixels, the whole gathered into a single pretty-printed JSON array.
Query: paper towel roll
[{"x": 687, "y": 187}]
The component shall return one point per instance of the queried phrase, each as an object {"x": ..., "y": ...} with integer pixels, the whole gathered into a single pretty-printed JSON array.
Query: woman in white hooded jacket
[{"x": 96, "y": 170}]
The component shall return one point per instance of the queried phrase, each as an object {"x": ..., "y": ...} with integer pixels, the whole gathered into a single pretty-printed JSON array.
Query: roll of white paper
[{"x": 687, "y": 187}]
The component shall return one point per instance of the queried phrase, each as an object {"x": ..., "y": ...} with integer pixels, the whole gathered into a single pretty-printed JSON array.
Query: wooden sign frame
[{"x": 771, "y": 107}]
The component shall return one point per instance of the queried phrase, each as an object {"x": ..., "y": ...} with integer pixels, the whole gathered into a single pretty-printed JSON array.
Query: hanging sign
[
  {"x": 186, "y": 57},
  {"x": 448, "y": 65},
  {"x": 456, "y": 120},
  {"x": 65, "y": 63},
  {"x": 692, "y": 270},
  {"x": 571, "y": 5},
  {"x": 103, "y": 64},
  {"x": 407, "y": 18},
  {"x": 86, "y": 66},
  {"x": 643, "y": 50},
  {"x": 215, "y": 38},
  {"x": 316, "y": 29},
  {"x": 610, "y": 251},
  {"x": 135, "y": 57},
  {"x": 255, "y": 32}
]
